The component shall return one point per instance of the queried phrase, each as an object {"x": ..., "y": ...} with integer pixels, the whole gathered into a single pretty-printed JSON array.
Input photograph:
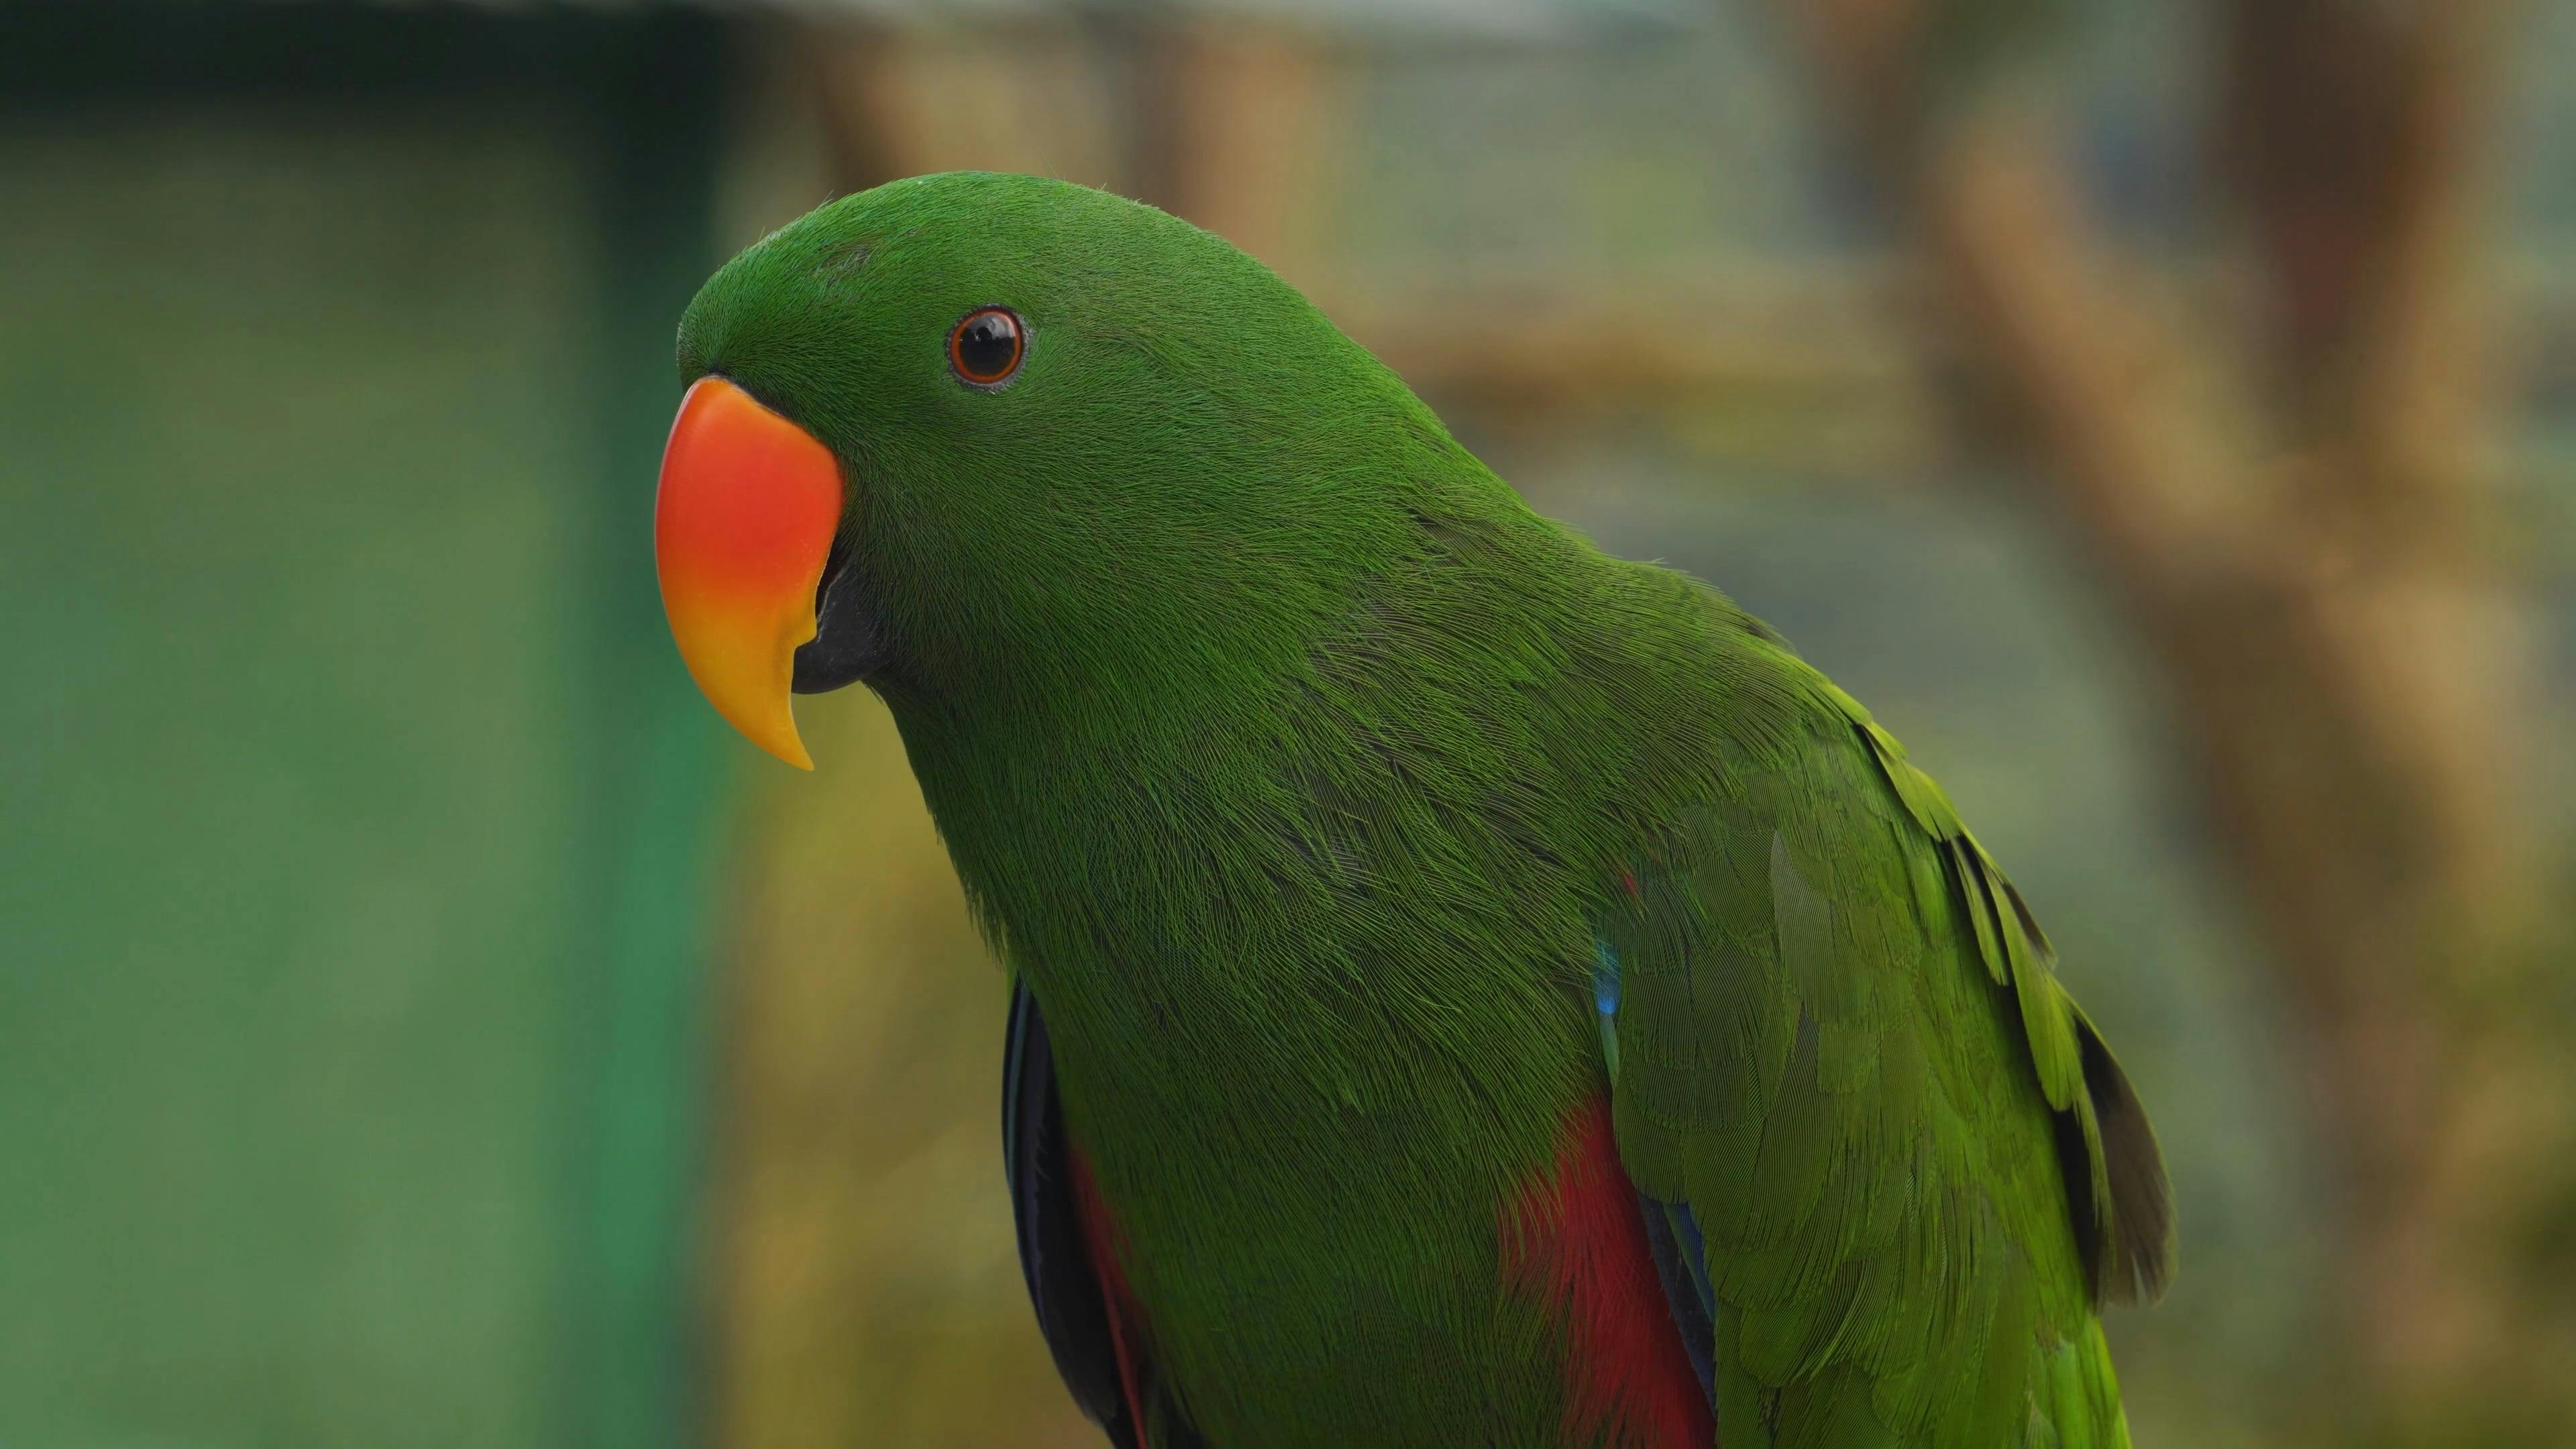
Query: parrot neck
[
  {"x": 1390, "y": 845},
  {"x": 1360, "y": 855}
]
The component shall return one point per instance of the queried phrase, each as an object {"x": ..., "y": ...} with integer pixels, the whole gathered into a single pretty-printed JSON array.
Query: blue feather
[{"x": 1605, "y": 1000}]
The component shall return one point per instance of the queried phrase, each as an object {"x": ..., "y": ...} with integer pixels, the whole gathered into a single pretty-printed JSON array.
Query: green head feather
[{"x": 1186, "y": 470}]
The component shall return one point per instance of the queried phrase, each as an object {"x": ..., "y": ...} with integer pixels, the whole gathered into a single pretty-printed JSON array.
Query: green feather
[{"x": 1898, "y": 1210}]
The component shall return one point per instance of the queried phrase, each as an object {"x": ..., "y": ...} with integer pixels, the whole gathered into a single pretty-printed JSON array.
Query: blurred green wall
[{"x": 354, "y": 823}]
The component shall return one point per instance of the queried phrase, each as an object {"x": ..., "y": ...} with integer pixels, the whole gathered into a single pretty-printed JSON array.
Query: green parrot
[{"x": 1468, "y": 989}]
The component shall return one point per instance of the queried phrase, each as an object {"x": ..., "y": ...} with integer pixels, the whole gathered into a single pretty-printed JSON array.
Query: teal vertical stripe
[{"x": 658, "y": 777}]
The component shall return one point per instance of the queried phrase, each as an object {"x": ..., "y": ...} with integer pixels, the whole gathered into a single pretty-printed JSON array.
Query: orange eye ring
[{"x": 986, "y": 347}]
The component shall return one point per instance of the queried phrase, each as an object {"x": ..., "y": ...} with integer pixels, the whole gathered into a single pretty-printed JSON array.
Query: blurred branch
[
  {"x": 1603, "y": 351},
  {"x": 2351, "y": 138},
  {"x": 2091, "y": 373},
  {"x": 2305, "y": 560}
]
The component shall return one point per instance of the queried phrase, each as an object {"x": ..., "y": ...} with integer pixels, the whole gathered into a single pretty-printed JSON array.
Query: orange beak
[{"x": 741, "y": 528}]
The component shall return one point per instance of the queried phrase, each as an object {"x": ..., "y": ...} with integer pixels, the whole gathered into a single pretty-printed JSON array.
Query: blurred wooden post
[
  {"x": 895, "y": 101},
  {"x": 2301, "y": 541},
  {"x": 1233, "y": 129}
]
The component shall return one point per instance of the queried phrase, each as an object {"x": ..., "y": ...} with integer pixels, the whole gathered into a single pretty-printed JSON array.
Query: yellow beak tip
[
  {"x": 775, "y": 735},
  {"x": 790, "y": 750}
]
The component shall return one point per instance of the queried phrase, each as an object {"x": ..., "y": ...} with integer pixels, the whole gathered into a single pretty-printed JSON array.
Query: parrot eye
[{"x": 986, "y": 346}]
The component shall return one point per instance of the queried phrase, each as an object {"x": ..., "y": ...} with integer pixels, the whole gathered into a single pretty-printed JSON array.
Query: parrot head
[{"x": 973, "y": 438}]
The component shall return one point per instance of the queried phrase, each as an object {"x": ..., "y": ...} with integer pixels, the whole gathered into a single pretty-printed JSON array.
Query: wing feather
[{"x": 1844, "y": 1060}]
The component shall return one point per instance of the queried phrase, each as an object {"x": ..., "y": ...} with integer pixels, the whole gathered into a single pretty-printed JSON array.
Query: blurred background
[{"x": 422, "y": 1024}]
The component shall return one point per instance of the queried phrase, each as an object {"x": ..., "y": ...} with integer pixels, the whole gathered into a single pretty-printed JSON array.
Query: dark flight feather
[{"x": 1073, "y": 1315}]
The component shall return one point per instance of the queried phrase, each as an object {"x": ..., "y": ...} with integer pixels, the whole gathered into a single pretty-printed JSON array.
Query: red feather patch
[
  {"x": 1101, "y": 1240},
  {"x": 1576, "y": 1235}
]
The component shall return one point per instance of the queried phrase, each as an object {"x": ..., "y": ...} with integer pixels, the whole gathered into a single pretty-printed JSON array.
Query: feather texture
[
  {"x": 1916, "y": 1172},
  {"x": 1357, "y": 829}
]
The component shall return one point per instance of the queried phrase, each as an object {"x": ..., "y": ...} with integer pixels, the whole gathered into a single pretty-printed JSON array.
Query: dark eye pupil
[{"x": 987, "y": 346}]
